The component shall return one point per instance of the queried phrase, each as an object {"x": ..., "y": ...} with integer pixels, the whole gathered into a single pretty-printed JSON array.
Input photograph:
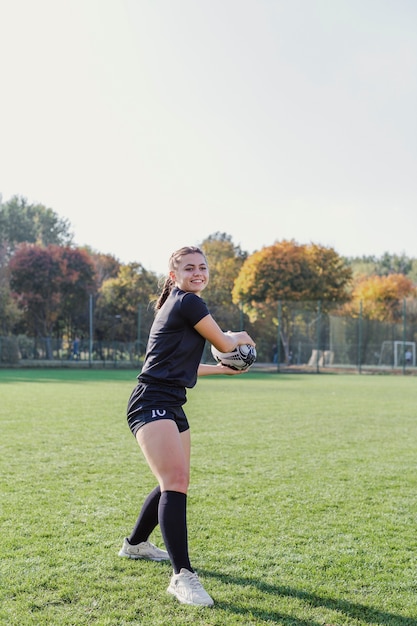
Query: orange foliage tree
[
  {"x": 290, "y": 272},
  {"x": 381, "y": 297}
]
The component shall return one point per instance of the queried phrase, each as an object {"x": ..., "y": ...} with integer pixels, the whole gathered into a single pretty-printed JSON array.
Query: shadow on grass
[{"x": 366, "y": 614}]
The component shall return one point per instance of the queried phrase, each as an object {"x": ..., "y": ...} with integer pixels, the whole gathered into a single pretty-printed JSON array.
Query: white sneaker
[
  {"x": 187, "y": 588},
  {"x": 144, "y": 550}
]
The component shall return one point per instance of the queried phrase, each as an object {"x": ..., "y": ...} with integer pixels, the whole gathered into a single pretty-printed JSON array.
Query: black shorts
[{"x": 154, "y": 401}]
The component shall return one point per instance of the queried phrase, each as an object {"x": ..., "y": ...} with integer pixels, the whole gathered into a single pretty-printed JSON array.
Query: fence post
[
  {"x": 279, "y": 335},
  {"x": 360, "y": 338},
  {"x": 90, "y": 342},
  {"x": 241, "y": 322},
  {"x": 318, "y": 329},
  {"x": 139, "y": 327}
]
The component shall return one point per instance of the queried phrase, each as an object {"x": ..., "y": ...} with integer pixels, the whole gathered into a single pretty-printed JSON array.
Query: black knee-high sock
[
  {"x": 148, "y": 518},
  {"x": 173, "y": 523}
]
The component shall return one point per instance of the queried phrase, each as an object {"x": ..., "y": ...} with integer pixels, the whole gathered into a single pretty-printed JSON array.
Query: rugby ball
[{"x": 240, "y": 358}]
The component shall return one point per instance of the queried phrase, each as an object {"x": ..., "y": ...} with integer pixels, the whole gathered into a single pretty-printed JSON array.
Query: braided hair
[{"x": 172, "y": 265}]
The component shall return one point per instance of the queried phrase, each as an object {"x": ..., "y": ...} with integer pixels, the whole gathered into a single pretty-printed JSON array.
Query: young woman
[{"x": 156, "y": 417}]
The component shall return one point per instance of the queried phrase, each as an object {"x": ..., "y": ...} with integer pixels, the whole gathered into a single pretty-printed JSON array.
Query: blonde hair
[{"x": 173, "y": 263}]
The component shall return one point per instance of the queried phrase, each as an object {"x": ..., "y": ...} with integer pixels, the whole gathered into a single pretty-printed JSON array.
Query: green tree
[
  {"x": 413, "y": 271},
  {"x": 395, "y": 264},
  {"x": 9, "y": 312},
  {"x": 225, "y": 260},
  {"x": 21, "y": 222},
  {"x": 381, "y": 266},
  {"x": 124, "y": 301}
]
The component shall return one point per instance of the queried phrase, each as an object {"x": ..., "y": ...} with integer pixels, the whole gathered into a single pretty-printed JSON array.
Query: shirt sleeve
[{"x": 194, "y": 308}]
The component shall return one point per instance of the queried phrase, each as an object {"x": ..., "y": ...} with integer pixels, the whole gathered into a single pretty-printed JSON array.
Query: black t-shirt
[{"x": 175, "y": 348}]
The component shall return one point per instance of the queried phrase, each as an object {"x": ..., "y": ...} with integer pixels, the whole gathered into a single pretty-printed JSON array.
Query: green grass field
[{"x": 302, "y": 507}]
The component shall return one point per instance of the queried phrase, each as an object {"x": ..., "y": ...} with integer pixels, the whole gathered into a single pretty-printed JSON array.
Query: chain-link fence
[
  {"x": 316, "y": 336},
  {"x": 307, "y": 336}
]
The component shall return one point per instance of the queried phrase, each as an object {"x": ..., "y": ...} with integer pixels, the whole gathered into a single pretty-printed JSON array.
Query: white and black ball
[{"x": 240, "y": 358}]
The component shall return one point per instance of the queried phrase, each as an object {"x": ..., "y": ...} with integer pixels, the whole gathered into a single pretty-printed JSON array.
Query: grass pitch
[{"x": 302, "y": 506}]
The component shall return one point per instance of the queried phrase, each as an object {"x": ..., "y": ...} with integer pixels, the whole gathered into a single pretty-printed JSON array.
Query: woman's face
[{"x": 192, "y": 273}]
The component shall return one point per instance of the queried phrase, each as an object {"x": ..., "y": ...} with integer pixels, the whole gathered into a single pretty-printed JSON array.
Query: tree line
[{"x": 48, "y": 283}]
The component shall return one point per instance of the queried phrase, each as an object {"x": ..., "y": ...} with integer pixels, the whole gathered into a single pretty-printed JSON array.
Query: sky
[{"x": 153, "y": 124}]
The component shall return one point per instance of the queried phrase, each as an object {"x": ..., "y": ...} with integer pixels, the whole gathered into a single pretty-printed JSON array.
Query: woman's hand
[
  {"x": 205, "y": 369},
  {"x": 241, "y": 337},
  {"x": 229, "y": 371}
]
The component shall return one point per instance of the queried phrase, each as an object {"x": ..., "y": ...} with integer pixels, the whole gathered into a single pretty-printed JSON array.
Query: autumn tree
[
  {"x": 378, "y": 301},
  {"x": 105, "y": 266},
  {"x": 380, "y": 297},
  {"x": 290, "y": 272},
  {"x": 78, "y": 285},
  {"x": 50, "y": 284}
]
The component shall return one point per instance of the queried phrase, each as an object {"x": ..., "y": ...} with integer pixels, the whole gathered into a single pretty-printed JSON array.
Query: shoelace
[{"x": 194, "y": 581}]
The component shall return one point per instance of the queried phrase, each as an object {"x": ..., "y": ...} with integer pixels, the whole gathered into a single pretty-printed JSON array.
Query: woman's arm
[
  {"x": 205, "y": 369},
  {"x": 224, "y": 342}
]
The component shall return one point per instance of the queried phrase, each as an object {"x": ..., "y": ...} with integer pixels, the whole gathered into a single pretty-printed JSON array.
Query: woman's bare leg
[{"x": 168, "y": 454}]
